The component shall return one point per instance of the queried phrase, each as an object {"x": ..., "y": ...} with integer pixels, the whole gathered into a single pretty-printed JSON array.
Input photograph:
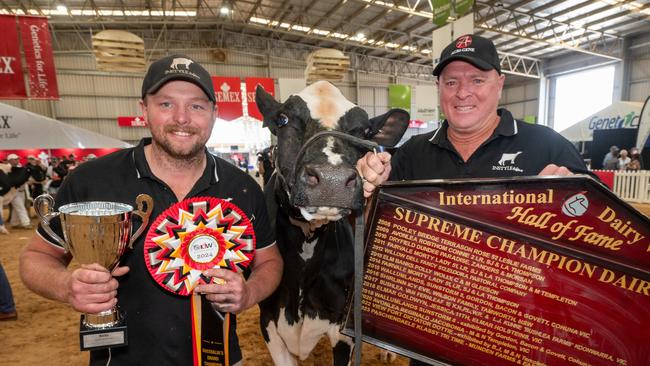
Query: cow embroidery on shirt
[{"x": 507, "y": 162}]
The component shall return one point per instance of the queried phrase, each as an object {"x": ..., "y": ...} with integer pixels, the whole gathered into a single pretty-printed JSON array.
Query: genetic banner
[
  {"x": 519, "y": 271},
  {"x": 11, "y": 71},
  {"x": 37, "y": 44}
]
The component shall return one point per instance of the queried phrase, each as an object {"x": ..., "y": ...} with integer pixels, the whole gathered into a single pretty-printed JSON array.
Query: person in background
[
  {"x": 635, "y": 159},
  {"x": 265, "y": 164},
  {"x": 612, "y": 151},
  {"x": 613, "y": 161},
  {"x": 38, "y": 175},
  {"x": 7, "y": 305},
  {"x": 478, "y": 139},
  {"x": 19, "y": 176},
  {"x": 58, "y": 173},
  {"x": 623, "y": 160},
  {"x": 5, "y": 187},
  {"x": 172, "y": 166}
]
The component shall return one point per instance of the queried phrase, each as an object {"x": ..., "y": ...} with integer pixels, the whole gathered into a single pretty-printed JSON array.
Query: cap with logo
[
  {"x": 177, "y": 67},
  {"x": 474, "y": 49}
]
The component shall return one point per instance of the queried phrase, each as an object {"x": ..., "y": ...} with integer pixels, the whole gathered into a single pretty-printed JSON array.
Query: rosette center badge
[{"x": 194, "y": 235}]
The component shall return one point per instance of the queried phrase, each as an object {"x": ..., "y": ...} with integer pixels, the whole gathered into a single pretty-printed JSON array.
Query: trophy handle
[
  {"x": 145, "y": 206},
  {"x": 43, "y": 205}
]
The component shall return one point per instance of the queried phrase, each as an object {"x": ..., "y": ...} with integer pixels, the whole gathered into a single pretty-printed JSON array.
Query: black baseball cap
[
  {"x": 177, "y": 67},
  {"x": 471, "y": 48}
]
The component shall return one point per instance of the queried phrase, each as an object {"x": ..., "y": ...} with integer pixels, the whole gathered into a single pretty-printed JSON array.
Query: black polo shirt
[
  {"x": 516, "y": 148},
  {"x": 159, "y": 324}
]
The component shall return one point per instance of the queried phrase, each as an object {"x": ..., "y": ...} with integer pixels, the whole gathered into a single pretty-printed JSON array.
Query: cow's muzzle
[{"x": 327, "y": 186}]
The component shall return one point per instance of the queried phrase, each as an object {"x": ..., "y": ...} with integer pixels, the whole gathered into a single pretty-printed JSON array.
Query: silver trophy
[{"x": 97, "y": 232}]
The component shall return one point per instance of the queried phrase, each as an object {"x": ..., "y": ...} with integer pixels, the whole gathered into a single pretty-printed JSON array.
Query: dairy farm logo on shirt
[{"x": 507, "y": 162}]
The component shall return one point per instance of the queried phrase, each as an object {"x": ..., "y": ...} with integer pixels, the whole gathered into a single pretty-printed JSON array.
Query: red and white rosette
[{"x": 194, "y": 235}]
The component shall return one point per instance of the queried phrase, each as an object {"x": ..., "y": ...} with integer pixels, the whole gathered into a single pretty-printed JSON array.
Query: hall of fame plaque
[{"x": 516, "y": 271}]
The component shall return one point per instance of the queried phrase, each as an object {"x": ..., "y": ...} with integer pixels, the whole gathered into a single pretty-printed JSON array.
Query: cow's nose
[{"x": 317, "y": 174}]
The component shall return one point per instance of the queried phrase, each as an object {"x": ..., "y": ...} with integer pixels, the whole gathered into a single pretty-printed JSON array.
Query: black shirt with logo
[
  {"x": 158, "y": 322},
  {"x": 516, "y": 148}
]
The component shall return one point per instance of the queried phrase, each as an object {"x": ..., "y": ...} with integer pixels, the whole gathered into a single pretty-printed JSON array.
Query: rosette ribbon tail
[{"x": 210, "y": 332}]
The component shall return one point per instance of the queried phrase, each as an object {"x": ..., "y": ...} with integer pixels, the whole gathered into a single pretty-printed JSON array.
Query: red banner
[
  {"x": 131, "y": 121},
  {"x": 228, "y": 95},
  {"x": 11, "y": 71},
  {"x": 251, "y": 85},
  {"x": 37, "y": 44}
]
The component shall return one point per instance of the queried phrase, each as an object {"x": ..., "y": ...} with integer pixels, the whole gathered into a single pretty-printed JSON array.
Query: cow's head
[{"x": 316, "y": 170}]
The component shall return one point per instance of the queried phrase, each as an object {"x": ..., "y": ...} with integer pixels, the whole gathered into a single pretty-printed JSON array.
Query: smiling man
[
  {"x": 176, "y": 170},
  {"x": 478, "y": 139}
]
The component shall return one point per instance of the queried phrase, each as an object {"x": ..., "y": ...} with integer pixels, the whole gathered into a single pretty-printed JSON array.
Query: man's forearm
[
  {"x": 264, "y": 279},
  {"x": 45, "y": 275}
]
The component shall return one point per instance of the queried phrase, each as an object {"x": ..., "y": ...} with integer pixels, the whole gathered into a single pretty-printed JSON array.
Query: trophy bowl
[{"x": 96, "y": 232}]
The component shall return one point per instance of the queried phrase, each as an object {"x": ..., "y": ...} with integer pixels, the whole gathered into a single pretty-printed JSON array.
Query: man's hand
[
  {"x": 553, "y": 169},
  {"x": 230, "y": 294},
  {"x": 92, "y": 288},
  {"x": 374, "y": 170}
]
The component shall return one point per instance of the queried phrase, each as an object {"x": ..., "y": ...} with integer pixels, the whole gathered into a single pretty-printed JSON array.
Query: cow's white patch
[
  {"x": 278, "y": 349},
  {"x": 300, "y": 338},
  {"x": 332, "y": 157},
  {"x": 326, "y": 103},
  {"x": 323, "y": 213},
  {"x": 308, "y": 250}
]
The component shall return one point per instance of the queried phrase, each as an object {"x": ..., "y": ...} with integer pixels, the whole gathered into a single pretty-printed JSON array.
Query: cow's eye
[{"x": 282, "y": 120}]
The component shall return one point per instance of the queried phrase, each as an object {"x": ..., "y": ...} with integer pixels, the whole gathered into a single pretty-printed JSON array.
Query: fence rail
[{"x": 633, "y": 186}]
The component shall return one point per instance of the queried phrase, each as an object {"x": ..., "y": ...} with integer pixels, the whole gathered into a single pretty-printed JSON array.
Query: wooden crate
[
  {"x": 326, "y": 64},
  {"x": 120, "y": 51}
]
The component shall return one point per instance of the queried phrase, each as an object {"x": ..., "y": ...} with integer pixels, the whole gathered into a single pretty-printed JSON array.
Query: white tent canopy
[
  {"x": 617, "y": 115},
  {"x": 20, "y": 129},
  {"x": 246, "y": 132}
]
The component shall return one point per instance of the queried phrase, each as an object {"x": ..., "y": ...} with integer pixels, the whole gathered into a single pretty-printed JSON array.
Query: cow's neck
[{"x": 308, "y": 227}]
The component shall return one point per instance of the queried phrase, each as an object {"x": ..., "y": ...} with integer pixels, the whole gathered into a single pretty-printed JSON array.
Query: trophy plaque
[
  {"x": 97, "y": 232},
  {"x": 540, "y": 271}
]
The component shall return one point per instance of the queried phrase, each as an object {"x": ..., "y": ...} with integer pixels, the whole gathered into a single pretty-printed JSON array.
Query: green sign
[
  {"x": 461, "y": 7},
  {"x": 530, "y": 119},
  {"x": 399, "y": 96},
  {"x": 441, "y": 10}
]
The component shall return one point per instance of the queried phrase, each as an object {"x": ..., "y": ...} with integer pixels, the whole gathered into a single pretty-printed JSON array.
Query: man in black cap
[
  {"x": 477, "y": 139},
  {"x": 175, "y": 169}
]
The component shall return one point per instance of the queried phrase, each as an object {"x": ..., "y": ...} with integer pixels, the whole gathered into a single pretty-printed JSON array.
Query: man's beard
[{"x": 168, "y": 148}]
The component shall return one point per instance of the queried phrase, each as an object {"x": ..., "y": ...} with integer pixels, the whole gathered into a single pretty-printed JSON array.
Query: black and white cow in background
[{"x": 313, "y": 190}]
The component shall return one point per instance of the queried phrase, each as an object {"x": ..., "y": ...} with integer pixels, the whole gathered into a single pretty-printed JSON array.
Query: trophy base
[{"x": 92, "y": 338}]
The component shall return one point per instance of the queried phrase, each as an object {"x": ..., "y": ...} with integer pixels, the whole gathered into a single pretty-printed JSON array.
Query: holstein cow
[{"x": 315, "y": 187}]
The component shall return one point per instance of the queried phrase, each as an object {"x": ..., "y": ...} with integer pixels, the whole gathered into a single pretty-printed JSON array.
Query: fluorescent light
[
  {"x": 62, "y": 8},
  {"x": 224, "y": 10}
]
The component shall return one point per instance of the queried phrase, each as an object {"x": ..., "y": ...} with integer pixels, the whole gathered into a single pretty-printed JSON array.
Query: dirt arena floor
[{"x": 46, "y": 332}]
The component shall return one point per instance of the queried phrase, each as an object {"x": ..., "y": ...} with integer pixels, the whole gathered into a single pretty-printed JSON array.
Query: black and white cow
[{"x": 315, "y": 187}]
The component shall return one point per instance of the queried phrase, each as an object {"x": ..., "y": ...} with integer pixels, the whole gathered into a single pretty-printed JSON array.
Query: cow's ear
[
  {"x": 268, "y": 106},
  {"x": 388, "y": 129}
]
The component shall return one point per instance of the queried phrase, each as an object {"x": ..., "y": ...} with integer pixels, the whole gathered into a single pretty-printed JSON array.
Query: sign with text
[
  {"x": 251, "y": 84},
  {"x": 137, "y": 121},
  {"x": 11, "y": 70},
  {"x": 518, "y": 271},
  {"x": 228, "y": 95},
  {"x": 37, "y": 44}
]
